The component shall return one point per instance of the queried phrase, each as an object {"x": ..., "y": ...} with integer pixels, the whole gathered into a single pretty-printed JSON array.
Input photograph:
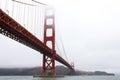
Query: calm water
[{"x": 65, "y": 78}]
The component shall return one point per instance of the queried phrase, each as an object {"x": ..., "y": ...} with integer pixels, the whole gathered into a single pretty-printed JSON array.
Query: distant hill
[
  {"x": 60, "y": 70},
  {"x": 94, "y": 73}
]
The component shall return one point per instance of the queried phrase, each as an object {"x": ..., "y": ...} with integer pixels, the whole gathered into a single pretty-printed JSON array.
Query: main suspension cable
[
  {"x": 39, "y": 2},
  {"x": 24, "y": 3},
  {"x": 58, "y": 48},
  {"x": 63, "y": 49}
]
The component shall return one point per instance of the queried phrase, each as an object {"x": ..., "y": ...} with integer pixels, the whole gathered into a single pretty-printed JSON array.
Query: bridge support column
[
  {"x": 48, "y": 68},
  {"x": 73, "y": 71}
]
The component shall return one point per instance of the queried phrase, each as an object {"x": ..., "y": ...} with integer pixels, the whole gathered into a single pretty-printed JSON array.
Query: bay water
[{"x": 63, "y": 78}]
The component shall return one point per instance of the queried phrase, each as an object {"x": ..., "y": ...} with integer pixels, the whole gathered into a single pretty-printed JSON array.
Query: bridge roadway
[{"x": 12, "y": 29}]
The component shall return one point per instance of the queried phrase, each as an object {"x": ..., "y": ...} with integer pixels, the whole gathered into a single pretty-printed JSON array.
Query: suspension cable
[
  {"x": 24, "y": 3},
  {"x": 18, "y": 13},
  {"x": 6, "y": 4},
  {"x": 12, "y": 9},
  {"x": 63, "y": 49},
  {"x": 62, "y": 45},
  {"x": 35, "y": 22},
  {"x": 58, "y": 48},
  {"x": 39, "y": 2},
  {"x": 27, "y": 17},
  {"x": 0, "y": 4},
  {"x": 37, "y": 25},
  {"x": 24, "y": 16}
]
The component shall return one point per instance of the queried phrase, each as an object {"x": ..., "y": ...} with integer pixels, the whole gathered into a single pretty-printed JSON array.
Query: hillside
[{"x": 60, "y": 70}]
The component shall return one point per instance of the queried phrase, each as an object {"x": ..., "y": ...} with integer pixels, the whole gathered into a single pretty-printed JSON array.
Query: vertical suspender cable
[
  {"x": 24, "y": 17},
  {"x": 18, "y": 13},
  {"x": 21, "y": 2},
  {"x": 12, "y": 9},
  {"x": 6, "y": 6},
  {"x": 27, "y": 12},
  {"x": 63, "y": 46},
  {"x": 14, "y": 14},
  {"x": 64, "y": 49},
  {"x": 35, "y": 22},
  {"x": 0, "y": 4},
  {"x": 28, "y": 17},
  {"x": 37, "y": 25},
  {"x": 58, "y": 48}
]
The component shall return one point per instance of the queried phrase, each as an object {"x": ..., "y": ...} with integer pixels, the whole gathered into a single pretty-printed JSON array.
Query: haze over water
[{"x": 65, "y": 78}]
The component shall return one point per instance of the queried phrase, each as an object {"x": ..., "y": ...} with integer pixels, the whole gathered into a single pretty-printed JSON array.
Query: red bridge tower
[{"x": 49, "y": 28}]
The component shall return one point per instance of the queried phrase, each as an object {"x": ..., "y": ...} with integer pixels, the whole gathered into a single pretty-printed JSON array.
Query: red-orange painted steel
[
  {"x": 12, "y": 29},
  {"x": 49, "y": 62}
]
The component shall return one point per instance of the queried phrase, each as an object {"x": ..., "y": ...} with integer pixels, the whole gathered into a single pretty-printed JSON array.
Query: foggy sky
[{"x": 89, "y": 29}]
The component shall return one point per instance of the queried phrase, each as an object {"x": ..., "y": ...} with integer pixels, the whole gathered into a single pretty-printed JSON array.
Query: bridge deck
[{"x": 12, "y": 29}]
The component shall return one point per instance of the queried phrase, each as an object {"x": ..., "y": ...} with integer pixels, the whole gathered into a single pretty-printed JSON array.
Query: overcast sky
[{"x": 89, "y": 29}]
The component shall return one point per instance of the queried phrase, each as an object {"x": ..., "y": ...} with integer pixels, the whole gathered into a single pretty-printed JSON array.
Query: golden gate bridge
[{"x": 21, "y": 20}]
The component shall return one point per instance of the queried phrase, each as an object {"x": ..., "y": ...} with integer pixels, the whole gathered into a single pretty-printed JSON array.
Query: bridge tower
[
  {"x": 72, "y": 71},
  {"x": 49, "y": 28}
]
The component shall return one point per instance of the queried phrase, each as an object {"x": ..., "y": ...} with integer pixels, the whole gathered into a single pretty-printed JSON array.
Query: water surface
[{"x": 65, "y": 78}]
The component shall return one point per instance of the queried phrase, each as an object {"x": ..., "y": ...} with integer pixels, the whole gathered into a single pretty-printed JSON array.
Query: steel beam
[{"x": 12, "y": 29}]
